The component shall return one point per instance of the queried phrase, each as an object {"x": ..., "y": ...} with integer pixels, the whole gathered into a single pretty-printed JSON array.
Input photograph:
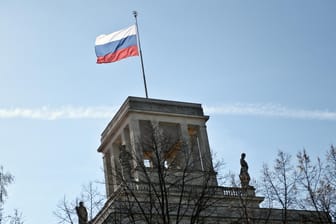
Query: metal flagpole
[{"x": 142, "y": 65}]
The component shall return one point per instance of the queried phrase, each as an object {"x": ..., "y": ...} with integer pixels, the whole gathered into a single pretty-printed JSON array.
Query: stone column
[
  {"x": 108, "y": 173},
  {"x": 186, "y": 146},
  {"x": 134, "y": 134},
  {"x": 116, "y": 167},
  {"x": 184, "y": 132},
  {"x": 193, "y": 145},
  {"x": 205, "y": 148}
]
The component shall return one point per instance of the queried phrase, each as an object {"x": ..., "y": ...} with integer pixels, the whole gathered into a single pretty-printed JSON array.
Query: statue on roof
[
  {"x": 244, "y": 175},
  {"x": 125, "y": 160},
  {"x": 82, "y": 213}
]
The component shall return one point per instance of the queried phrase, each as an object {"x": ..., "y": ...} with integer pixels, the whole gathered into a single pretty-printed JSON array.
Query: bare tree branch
[
  {"x": 92, "y": 198},
  {"x": 169, "y": 188}
]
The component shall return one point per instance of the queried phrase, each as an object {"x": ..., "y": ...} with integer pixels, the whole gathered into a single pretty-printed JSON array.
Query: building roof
[{"x": 153, "y": 106}]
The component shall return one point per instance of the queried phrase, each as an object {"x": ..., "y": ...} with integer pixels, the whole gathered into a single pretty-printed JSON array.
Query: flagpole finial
[{"x": 135, "y": 13}]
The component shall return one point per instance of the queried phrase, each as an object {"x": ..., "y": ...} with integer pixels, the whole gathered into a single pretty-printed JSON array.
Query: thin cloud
[
  {"x": 66, "y": 112},
  {"x": 260, "y": 110},
  {"x": 271, "y": 110}
]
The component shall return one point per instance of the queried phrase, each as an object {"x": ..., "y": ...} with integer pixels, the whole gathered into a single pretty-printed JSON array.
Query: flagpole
[{"x": 142, "y": 64}]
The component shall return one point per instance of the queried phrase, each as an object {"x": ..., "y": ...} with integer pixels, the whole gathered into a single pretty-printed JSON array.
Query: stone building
[{"x": 158, "y": 169}]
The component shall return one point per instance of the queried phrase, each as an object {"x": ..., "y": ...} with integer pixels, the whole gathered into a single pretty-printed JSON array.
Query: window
[{"x": 147, "y": 163}]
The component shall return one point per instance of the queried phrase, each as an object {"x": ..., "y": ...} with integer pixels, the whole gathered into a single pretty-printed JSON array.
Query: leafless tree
[
  {"x": 330, "y": 183},
  {"x": 65, "y": 211},
  {"x": 279, "y": 184},
  {"x": 93, "y": 199},
  {"x": 317, "y": 183},
  {"x": 310, "y": 187},
  {"x": 5, "y": 179},
  {"x": 91, "y": 196},
  {"x": 167, "y": 182},
  {"x": 17, "y": 217},
  {"x": 311, "y": 184}
]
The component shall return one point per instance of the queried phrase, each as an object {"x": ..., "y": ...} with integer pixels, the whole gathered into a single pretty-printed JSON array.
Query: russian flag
[{"x": 117, "y": 45}]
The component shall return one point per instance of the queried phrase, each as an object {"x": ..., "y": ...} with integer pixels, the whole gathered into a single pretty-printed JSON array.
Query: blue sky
[{"x": 263, "y": 70}]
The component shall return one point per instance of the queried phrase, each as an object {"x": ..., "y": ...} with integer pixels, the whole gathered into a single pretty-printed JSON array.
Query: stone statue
[
  {"x": 125, "y": 159},
  {"x": 82, "y": 213},
  {"x": 244, "y": 175}
]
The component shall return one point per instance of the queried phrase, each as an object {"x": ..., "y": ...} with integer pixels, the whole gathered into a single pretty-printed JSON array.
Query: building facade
[{"x": 158, "y": 169}]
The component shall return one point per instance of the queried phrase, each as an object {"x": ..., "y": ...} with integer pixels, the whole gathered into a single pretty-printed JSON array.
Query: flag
[{"x": 117, "y": 45}]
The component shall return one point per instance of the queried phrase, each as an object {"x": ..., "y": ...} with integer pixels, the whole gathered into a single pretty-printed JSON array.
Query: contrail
[
  {"x": 105, "y": 112},
  {"x": 64, "y": 112},
  {"x": 271, "y": 110}
]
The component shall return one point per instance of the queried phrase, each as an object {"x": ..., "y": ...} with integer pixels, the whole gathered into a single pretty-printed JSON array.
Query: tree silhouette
[{"x": 164, "y": 183}]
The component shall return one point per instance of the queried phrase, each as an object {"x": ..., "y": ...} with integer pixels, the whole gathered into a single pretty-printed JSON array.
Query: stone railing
[
  {"x": 237, "y": 191},
  {"x": 143, "y": 188},
  {"x": 216, "y": 190}
]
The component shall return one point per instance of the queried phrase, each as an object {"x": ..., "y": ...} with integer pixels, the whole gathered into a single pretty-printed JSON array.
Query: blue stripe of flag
[{"x": 108, "y": 48}]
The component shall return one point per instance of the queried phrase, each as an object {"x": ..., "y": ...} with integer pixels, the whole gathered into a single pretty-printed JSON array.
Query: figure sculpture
[
  {"x": 82, "y": 213},
  {"x": 125, "y": 159},
  {"x": 244, "y": 175}
]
